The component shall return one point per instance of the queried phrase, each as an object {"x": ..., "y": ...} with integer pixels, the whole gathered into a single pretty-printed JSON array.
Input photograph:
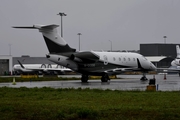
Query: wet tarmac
[{"x": 126, "y": 82}]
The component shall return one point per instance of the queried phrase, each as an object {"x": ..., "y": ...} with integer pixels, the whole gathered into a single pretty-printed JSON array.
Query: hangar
[
  {"x": 158, "y": 49},
  {"x": 26, "y": 59},
  {"x": 5, "y": 64},
  {"x": 160, "y": 61},
  {"x": 159, "y": 53}
]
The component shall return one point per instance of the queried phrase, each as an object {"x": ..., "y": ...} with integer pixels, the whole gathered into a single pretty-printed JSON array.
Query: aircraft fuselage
[{"x": 105, "y": 61}]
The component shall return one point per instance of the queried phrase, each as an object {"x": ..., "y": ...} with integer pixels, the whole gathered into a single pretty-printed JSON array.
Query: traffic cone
[{"x": 164, "y": 76}]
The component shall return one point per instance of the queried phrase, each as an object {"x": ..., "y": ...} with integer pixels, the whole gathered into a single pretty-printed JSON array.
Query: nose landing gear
[{"x": 143, "y": 78}]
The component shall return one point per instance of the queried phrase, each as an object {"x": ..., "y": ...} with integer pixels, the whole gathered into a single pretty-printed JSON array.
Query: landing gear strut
[
  {"x": 105, "y": 78},
  {"x": 84, "y": 78},
  {"x": 144, "y": 77}
]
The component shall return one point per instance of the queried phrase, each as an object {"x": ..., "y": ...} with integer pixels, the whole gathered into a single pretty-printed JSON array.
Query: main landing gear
[
  {"x": 144, "y": 77},
  {"x": 84, "y": 78},
  {"x": 104, "y": 78}
]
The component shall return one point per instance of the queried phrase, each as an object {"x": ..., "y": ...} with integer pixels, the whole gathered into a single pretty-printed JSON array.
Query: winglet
[{"x": 21, "y": 64}]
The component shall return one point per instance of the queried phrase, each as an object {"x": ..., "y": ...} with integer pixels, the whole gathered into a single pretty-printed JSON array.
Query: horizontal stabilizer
[
  {"x": 26, "y": 27},
  {"x": 55, "y": 43},
  {"x": 38, "y": 27}
]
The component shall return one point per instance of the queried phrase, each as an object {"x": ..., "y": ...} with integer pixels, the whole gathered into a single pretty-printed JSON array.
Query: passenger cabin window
[
  {"x": 114, "y": 58},
  {"x": 124, "y": 59},
  {"x": 119, "y": 59},
  {"x": 134, "y": 59},
  {"x": 129, "y": 59}
]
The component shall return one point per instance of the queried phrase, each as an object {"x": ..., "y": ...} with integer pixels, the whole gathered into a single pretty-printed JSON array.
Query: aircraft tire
[
  {"x": 84, "y": 78},
  {"x": 143, "y": 78},
  {"x": 105, "y": 78}
]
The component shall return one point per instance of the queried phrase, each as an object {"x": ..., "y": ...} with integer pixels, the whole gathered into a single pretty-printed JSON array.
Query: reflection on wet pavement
[{"x": 127, "y": 82}]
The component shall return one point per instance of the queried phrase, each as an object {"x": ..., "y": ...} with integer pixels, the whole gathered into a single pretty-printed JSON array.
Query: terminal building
[
  {"x": 7, "y": 62},
  {"x": 159, "y": 54}
]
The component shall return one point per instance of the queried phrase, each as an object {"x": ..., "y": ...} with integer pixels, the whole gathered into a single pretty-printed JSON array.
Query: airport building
[
  {"x": 158, "y": 53},
  {"x": 155, "y": 49},
  {"x": 5, "y": 64},
  {"x": 25, "y": 59}
]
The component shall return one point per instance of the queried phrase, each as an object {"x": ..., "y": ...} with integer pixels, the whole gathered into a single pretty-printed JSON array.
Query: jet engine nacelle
[
  {"x": 73, "y": 57},
  {"x": 64, "y": 61}
]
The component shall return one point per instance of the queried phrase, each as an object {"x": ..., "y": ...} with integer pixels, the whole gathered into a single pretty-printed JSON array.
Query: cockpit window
[{"x": 144, "y": 58}]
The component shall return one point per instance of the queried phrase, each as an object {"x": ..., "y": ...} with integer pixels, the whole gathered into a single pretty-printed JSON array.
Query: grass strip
[
  {"x": 20, "y": 79},
  {"x": 87, "y": 104}
]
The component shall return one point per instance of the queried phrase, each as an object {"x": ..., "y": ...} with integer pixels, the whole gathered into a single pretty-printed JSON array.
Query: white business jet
[
  {"x": 39, "y": 69},
  {"x": 90, "y": 62}
]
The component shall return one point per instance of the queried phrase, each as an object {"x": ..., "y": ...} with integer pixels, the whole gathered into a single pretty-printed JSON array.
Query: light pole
[
  {"x": 111, "y": 45},
  {"x": 62, "y": 14},
  {"x": 79, "y": 40},
  {"x": 165, "y": 39},
  {"x": 9, "y": 49}
]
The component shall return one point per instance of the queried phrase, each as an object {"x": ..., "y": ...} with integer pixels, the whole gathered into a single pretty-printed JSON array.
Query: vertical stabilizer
[
  {"x": 178, "y": 51},
  {"x": 21, "y": 64},
  {"x": 54, "y": 42}
]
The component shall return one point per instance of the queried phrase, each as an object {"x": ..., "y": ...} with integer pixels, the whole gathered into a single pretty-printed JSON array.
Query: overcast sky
[{"x": 127, "y": 23}]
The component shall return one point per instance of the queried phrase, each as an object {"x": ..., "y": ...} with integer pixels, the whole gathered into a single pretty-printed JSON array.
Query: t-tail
[
  {"x": 178, "y": 51},
  {"x": 54, "y": 42}
]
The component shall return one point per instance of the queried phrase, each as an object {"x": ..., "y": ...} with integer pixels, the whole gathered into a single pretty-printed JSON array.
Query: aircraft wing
[
  {"x": 121, "y": 70},
  {"x": 172, "y": 68},
  {"x": 87, "y": 56},
  {"x": 49, "y": 69},
  {"x": 58, "y": 69}
]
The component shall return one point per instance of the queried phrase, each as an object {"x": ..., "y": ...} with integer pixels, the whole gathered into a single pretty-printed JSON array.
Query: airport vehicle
[
  {"x": 90, "y": 62},
  {"x": 39, "y": 69}
]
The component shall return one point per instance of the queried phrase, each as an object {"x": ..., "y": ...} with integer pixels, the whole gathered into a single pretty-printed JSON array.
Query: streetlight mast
[
  {"x": 9, "y": 49},
  {"x": 62, "y": 14},
  {"x": 111, "y": 45},
  {"x": 79, "y": 40},
  {"x": 165, "y": 39}
]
